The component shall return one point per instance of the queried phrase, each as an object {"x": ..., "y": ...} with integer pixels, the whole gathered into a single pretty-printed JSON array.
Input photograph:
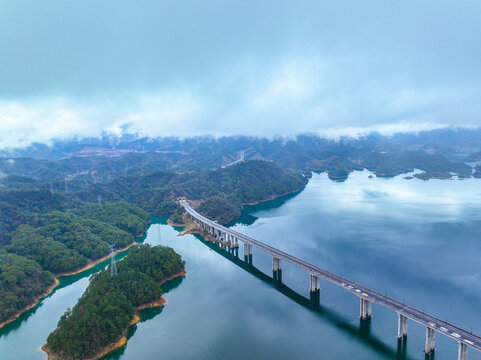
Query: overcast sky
[{"x": 236, "y": 67}]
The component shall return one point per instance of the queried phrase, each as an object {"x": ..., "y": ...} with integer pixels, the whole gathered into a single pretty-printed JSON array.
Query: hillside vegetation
[
  {"x": 62, "y": 232},
  {"x": 246, "y": 182},
  {"x": 105, "y": 310},
  {"x": 44, "y": 234},
  {"x": 21, "y": 280}
]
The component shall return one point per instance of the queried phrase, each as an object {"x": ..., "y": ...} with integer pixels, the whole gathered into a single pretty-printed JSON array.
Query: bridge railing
[{"x": 366, "y": 294}]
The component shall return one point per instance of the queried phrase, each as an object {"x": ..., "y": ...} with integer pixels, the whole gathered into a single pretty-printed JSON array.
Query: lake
[{"x": 416, "y": 241}]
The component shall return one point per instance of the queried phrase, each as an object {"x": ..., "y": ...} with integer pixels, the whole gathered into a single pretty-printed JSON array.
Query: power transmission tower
[{"x": 113, "y": 264}]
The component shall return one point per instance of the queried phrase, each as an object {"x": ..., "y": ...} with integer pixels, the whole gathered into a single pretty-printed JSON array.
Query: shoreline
[
  {"x": 47, "y": 292},
  {"x": 191, "y": 228},
  {"x": 90, "y": 264},
  {"x": 270, "y": 198},
  {"x": 174, "y": 224},
  {"x": 123, "y": 340},
  {"x": 273, "y": 197},
  {"x": 171, "y": 277}
]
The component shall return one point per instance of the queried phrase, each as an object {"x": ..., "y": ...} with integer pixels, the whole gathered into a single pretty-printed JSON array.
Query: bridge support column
[
  {"x": 402, "y": 326},
  {"x": 225, "y": 239},
  {"x": 430, "y": 340},
  {"x": 229, "y": 242},
  {"x": 276, "y": 269},
  {"x": 365, "y": 309},
  {"x": 248, "y": 253},
  {"x": 221, "y": 237},
  {"x": 315, "y": 289},
  {"x": 236, "y": 247},
  {"x": 462, "y": 351}
]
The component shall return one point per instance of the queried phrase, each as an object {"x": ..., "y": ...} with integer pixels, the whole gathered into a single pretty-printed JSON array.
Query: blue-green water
[{"x": 416, "y": 241}]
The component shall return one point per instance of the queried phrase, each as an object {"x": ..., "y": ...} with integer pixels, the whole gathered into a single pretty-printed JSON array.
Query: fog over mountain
[{"x": 178, "y": 68}]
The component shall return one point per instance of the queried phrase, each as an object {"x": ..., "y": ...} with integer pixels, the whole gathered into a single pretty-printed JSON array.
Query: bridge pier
[
  {"x": 276, "y": 269},
  {"x": 315, "y": 289},
  {"x": 221, "y": 239},
  {"x": 248, "y": 253},
  {"x": 365, "y": 309},
  {"x": 402, "y": 326},
  {"x": 462, "y": 351},
  {"x": 227, "y": 237},
  {"x": 430, "y": 340}
]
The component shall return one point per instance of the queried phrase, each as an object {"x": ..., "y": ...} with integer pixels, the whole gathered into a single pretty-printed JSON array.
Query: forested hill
[
  {"x": 245, "y": 182},
  {"x": 58, "y": 232},
  {"x": 103, "y": 313},
  {"x": 75, "y": 164},
  {"x": 44, "y": 233}
]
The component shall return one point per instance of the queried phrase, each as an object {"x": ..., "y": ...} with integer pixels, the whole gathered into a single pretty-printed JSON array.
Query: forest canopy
[
  {"x": 106, "y": 308},
  {"x": 61, "y": 231},
  {"x": 51, "y": 236}
]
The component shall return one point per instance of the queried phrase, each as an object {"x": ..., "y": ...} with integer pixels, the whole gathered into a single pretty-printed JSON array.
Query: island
[{"x": 99, "y": 321}]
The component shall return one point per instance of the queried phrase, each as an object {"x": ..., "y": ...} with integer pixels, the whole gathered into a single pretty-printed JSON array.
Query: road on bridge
[{"x": 414, "y": 314}]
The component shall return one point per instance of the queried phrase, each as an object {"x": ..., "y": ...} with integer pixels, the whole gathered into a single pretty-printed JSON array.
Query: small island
[{"x": 99, "y": 322}]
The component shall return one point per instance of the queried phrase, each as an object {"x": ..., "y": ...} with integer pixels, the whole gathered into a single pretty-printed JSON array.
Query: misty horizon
[{"x": 270, "y": 69}]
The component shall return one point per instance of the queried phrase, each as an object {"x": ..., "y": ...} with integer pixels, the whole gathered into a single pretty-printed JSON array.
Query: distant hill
[{"x": 76, "y": 164}]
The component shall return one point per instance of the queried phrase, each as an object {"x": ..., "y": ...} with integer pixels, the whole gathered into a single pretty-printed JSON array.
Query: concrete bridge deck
[{"x": 367, "y": 296}]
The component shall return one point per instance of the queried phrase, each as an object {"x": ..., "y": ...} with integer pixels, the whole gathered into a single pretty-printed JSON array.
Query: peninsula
[{"x": 99, "y": 321}]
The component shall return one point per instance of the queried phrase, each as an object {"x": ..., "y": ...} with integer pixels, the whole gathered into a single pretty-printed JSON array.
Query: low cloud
[
  {"x": 80, "y": 69},
  {"x": 291, "y": 99}
]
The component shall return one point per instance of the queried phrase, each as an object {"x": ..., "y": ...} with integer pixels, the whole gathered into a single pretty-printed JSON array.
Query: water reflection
[
  {"x": 145, "y": 315},
  {"x": 401, "y": 353},
  {"x": 415, "y": 240},
  {"x": 361, "y": 333},
  {"x": 64, "y": 282},
  {"x": 247, "y": 218}
]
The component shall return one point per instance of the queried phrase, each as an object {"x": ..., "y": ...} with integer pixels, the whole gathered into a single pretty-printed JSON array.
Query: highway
[
  {"x": 240, "y": 159},
  {"x": 440, "y": 326}
]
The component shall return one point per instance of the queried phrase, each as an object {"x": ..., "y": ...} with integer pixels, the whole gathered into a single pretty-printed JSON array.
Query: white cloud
[
  {"x": 156, "y": 70},
  {"x": 382, "y": 129},
  {"x": 22, "y": 123},
  {"x": 293, "y": 81},
  {"x": 160, "y": 114},
  {"x": 297, "y": 95}
]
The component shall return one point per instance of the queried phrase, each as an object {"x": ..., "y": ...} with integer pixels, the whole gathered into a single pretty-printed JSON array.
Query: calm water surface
[{"x": 416, "y": 241}]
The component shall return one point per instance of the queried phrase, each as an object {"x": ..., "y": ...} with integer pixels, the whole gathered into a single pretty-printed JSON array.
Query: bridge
[{"x": 230, "y": 239}]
